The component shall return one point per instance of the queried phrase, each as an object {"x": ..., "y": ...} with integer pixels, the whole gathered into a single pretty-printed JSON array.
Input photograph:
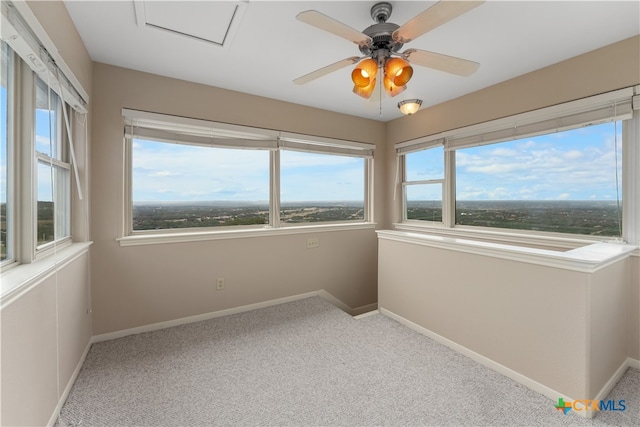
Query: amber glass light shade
[
  {"x": 399, "y": 71},
  {"x": 392, "y": 89},
  {"x": 364, "y": 73},
  {"x": 365, "y": 92}
]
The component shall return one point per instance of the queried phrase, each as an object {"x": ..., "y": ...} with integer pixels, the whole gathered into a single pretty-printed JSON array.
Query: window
[
  {"x": 188, "y": 174},
  {"x": 316, "y": 187},
  {"x": 35, "y": 170},
  {"x": 6, "y": 210},
  {"x": 556, "y": 170},
  {"x": 423, "y": 185},
  {"x": 566, "y": 182},
  {"x": 183, "y": 186},
  {"x": 53, "y": 177}
]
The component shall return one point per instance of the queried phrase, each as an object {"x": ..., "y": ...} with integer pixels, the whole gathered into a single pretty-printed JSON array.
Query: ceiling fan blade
[
  {"x": 319, "y": 20},
  {"x": 326, "y": 70},
  {"x": 438, "y": 61},
  {"x": 438, "y": 14}
]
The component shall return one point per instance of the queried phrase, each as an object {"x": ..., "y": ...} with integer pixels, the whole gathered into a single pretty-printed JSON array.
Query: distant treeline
[{"x": 561, "y": 216}]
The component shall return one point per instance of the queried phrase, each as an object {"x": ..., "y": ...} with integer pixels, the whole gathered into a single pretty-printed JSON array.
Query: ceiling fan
[{"x": 381, "y": 42}]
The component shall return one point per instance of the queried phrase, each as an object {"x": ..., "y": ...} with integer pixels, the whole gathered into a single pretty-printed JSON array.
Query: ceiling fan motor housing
[{"x": 381, "y": 33}]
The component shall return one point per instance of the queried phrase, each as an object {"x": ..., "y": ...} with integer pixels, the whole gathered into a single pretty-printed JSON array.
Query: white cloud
[
  {"x": 507, "y": 152},
  {"x": 573, "y": 154},
  {"x": 574, "y": 166},
  {"x": 163, "y": 173}
]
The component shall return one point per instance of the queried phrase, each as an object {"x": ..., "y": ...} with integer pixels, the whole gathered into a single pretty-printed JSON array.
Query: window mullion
[
  {"x": 26, "y": 191},
  {"x": 630, "y": 179},
  {"x": 449, "y": 190},
  {"x": 368, "y": 190},
  {"x": 127, "y": 225},
  {"x": 274, "y": 198}
]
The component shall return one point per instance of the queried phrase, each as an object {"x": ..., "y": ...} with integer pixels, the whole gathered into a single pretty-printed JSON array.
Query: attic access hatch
[{"x": 213, "y": 22}]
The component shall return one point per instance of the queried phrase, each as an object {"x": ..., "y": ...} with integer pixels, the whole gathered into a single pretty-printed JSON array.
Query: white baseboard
[
  {"x": 344, "y": 307},
  {"x": 200, "y": 317},
  {"x": 510, "y": 373},
  {"x": 609, "y": 385},
  {"x": 366, "y": 314},
  {"x": 63, "y": 397},
  {"x": 235, "y": 310},
  {"x": 483, "y": 360}
]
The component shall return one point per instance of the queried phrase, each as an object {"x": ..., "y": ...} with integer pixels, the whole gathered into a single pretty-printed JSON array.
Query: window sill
[
  {"x": 19, "y": 279},
  {"x": 550, "y": 241},
  {"x": 198, "y": 236},
  {"x": 587, "y": 259}
]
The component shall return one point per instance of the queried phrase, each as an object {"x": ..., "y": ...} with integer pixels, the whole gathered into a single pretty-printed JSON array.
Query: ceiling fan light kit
[
  {"x": 366, "y": 91},
  {"x": 409, "y": 106},
  {"x": 398, "y": 70},
  {"x": 381, "y": 42},
  {"x": 391, "y": 88},
  {"x": 364, "y": 72}
]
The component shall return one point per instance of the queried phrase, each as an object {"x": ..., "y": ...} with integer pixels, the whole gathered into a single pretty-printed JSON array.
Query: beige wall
[
  {"x": 136, "y": 286},
  {"x": 634, "y": 309},
  {"x": 564, "y": 329},
  {"x": 44, "y": 335},
  {"x": 608, "y": 328},
  {"x": 514, "y": 313}
]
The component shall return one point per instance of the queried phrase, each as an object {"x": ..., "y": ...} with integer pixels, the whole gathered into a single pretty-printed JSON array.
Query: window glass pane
[
  {"x": 567, "y": 182},
  {"x": 425, "y": 165},
  {"x": 5, "y": 123},
  {"x": 62, "y": 197},
  {"x": 45, "y": 227},
  {"x": 181, "y": 186},
  {"x": 46, "y": 118},
  {"x": 424, "y": 202},
  {"x": 321, "y": 187}
]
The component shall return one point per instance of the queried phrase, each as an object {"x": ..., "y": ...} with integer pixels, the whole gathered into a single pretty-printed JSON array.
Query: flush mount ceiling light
[
  {"x": 409, "y": 106},
  {"x": 381, "y": 42}
]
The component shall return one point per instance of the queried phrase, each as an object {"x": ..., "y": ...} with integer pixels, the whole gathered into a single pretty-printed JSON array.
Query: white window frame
[
  {"x": 61, "y": 189},
  {"x": 405, "y": 183},
  {"x": 168, "y": 128},
  {"x": 23, "y": 160},
  {"x": 623, "y": 104},
  {"x": 320, "y": 145},
  {"x": 11, "y": 242}
]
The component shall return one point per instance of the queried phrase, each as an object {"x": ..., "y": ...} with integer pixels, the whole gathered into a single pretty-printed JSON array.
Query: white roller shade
[
  {"x": 418, "y": 144},
  {"x": 597, "y": 109},
  {"x": 184, "y": 130},
  {"x": 312, "y": 144},
  {"x": 607, "y": 107}
]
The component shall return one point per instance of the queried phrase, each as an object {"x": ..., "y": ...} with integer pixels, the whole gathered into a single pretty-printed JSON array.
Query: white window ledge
[
  {"x": 553, "y": 241},
  {"x": 18, "y": 280},
  {"x": 197, "y": 236},
  {"x": 587, "y": 259}
]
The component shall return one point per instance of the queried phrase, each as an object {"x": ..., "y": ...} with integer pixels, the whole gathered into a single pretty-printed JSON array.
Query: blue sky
[
  {"x": 173, "y": 172},
  {"x": 578, "y": 164}
]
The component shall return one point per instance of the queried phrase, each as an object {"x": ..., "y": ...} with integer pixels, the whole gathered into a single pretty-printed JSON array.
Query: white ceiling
[{"x": 266, "y": 47}]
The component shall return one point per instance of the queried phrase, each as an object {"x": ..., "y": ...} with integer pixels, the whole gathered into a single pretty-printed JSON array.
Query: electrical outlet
[
  {"x": 313, "y": 242},
  {"x": 220, "y": 283}
]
